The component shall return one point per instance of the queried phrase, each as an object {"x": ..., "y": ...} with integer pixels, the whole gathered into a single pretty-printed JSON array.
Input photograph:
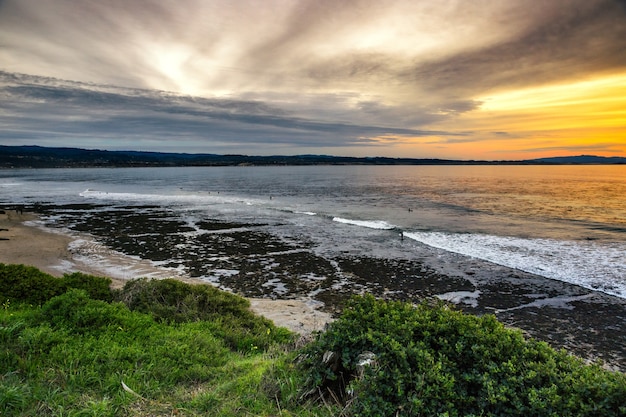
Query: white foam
[
  {"x": 593, "y": 265},
  {"x": 465, "y": 297},
  {"x": 64, "y": 266},
  {"x": 371, "y": 224},
  {"x": 278, "y": 286},
  {"x": 200, "y": 199},
  {"x": 555, "y": 302},
  {"x": 220, "y": 273},
  {"x": 308, "y": 213},
  {"x": 116, "y": 264}
]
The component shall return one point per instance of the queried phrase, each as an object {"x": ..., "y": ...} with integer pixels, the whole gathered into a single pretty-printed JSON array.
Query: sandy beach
[{"x": 23, "y": 242}]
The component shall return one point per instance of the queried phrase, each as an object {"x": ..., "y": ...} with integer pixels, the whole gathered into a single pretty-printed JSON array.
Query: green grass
[
  {"x": 72, "y": 347},
  {"x": 58, "y": 361},
  {"x": 69, "y": 357}
]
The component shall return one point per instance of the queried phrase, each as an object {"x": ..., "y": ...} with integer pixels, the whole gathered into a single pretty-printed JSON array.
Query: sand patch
[
  {"x": 21, "y": 244},
  {"x": 297, "y": 315}
]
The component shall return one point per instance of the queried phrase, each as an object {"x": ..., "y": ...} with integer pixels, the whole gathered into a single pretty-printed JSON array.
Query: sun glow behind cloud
[
  {"x": 450, "y": 79},
  {"x": 597, "y": 93},
  {"x": 576, "y": 117}
]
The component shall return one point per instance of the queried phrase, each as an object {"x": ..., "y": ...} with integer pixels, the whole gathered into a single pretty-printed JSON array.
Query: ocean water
[{"x": 565, "y": 223}]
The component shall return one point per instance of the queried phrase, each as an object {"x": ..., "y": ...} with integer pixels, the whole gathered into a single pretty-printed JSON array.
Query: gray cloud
[
  {"x": 38, "y": 107},
  {"x": 568, "y": 43},
  {"x": 312, "y": 44}
]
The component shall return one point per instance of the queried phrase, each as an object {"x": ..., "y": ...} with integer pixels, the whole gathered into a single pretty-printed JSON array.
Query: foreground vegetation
[
  {"x": 73, "y": 347},
  {"x": 430, "y": 360},
  {"x": 178, "y": 349}
]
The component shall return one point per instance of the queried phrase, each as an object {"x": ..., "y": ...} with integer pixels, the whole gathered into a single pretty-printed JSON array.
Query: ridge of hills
[{"x": 65, "y": 157}]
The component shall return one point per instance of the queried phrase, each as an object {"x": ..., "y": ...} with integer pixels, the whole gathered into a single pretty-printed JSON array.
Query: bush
[
  {"x": 98, "y": 288},
  {"x": 76, "y": 311},
  {"x": 27, "y": 284},
  {"x": 170, "y": 300},
  {"x": 173, "y": 300},
  {"x": 432, "y": 360}
]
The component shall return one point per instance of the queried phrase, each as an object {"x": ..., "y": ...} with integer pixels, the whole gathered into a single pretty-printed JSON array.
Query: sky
[{"x": 453, "y": 79}]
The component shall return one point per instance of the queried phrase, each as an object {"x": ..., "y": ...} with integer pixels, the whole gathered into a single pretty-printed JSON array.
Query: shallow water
[{"x": 566, "y": 223}]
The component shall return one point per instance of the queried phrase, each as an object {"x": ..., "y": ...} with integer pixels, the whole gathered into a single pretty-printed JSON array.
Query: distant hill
[
  {"x": 582, "y": 159},
  {"x": 44, "y": 157}
]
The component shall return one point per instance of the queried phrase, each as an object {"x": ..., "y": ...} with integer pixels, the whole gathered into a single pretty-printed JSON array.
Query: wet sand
[
  {"x": 297, "y": 286},
  {"x": 21, "y": 244}
]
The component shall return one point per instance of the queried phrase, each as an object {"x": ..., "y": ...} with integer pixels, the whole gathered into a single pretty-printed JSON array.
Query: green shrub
[
  {"x": 98, "y": 288},
  {"x": 29, "y": 285},
  {"x": 431, "y": 360},
  {"x": 170, "y": 300},
  {"x": 173, "y": 300},
  {"x": 76, "y": 311}
]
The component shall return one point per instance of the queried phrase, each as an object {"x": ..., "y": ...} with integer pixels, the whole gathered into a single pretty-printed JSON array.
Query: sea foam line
[
  {"x": 372, "y": 224},
  {"x": 595, "y": 266},
  {"x": 172, "y": 198},
  {"x": 308, "y": 213}
]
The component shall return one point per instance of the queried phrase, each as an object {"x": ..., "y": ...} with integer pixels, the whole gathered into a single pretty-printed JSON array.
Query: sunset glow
[
  {"x": 452, "y": 79},
  {"x": 584, "y": 116}
]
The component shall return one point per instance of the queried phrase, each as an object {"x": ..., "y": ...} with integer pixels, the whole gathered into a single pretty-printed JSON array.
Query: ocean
[{"x": 565, "y": 223}]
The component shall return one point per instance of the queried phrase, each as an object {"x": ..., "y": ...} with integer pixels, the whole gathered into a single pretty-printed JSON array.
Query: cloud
[
  {"x": 295, "y": 73},
  {"x": 397, "y": 49},
  {"x": 571, "y": 40},
  {"x": 39, "y": 107},
  {"x": 605, "y": 148}
]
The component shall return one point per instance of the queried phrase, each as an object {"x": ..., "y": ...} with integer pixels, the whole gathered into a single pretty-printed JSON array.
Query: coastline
[
  {"x": 50, "y": 251},
  {"x": 300, "y": 289}
]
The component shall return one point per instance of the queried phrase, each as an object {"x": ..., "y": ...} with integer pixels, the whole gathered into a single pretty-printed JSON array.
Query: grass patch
[
  {"x": 172, "y": 301},
  {"x": 71, "y": 354},
  {"x": 28, "y": 284}
]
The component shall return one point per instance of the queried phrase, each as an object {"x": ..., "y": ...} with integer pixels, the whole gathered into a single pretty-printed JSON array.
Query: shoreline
[
  {"x": 300, "y": 288},
  {"x": 29, "y": 245},
  {"x": 50, "y": 251}
]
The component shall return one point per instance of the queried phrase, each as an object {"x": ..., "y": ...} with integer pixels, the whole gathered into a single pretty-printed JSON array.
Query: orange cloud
[{"x": 572, "y": 118}]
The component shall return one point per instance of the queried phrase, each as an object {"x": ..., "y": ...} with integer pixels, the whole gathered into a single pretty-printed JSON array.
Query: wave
[
  {"x": 372, "y": 224},
  {"x": 166, "y": 198},
  {"x": 592, "y": 265}
]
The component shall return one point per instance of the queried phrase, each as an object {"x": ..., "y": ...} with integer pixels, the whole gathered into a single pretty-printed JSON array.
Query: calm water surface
[{"x": 561, "y": 222}]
